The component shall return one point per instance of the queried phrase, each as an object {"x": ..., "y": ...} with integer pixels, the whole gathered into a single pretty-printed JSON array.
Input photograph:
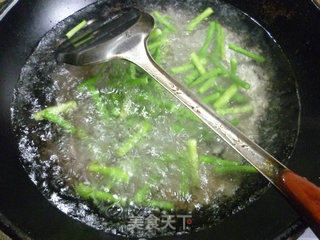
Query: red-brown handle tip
[{"x": 305, "y": 196}]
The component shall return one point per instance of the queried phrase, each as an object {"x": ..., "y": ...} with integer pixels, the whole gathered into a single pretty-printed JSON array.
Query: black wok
[{"x": 24, "y": 212}]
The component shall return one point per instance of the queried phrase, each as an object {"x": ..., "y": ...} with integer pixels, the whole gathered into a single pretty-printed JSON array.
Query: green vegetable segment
[
  {"x": 234, "y": 121},
  {"x": 235, "y": 169},
  {"x": 61, "y": 108},
  {"x": 225, "y": 97},
  {"x": 77, "y": 28},
  {"x": 184, "y": 179},
  {"x": 128, "y": 144},
  {"x": 235, "y": 79},
  {"x": 186, "y": 67},
  {"x": 84, "y": 86},
  {"x": 191, "y": 76},
  {"x": 248, "y": 108},
  {"x": 208, "y": 40},
  {"x": 186, "y": 113},
  {"x": 195, "y": 22},
  {"x": 207, "y": 85},
  {"x": 211, "y": 98},
  {"x": 141, "y": 199},
  {"x": 100, "y": 103},
  {"x": 66, "y": 125},
  {"x": 162, "y": 20},
  {"x": 219, "y": 47},
  {"x": 83, "y": 41},
  {"x": 212, "y": 74},
  {"x": 247, "y": 53},
  {"x": 155, "y": 33},
  {"x": 162, "y": 104},
  {"x": 238, "y": 81},
  {"x": 218, "y": 161},
  {"x": 87, "y": 192},
  {"x": 183, "y": 68},
  {"x": 220, "y": 42},
  {"x": 197, "y": 63},
  {"x": 142, "y": 194},
  {"x": 113, "y": 172},
  {"x": 157, "y": 44},
  {"x": 233, "y": 66},
  {"x": 194, "y": 162},
  {"x": 239, "y": 98}
]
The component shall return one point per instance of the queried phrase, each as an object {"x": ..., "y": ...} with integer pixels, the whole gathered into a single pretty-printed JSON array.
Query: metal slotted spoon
[{"x": 125, "y": 36}]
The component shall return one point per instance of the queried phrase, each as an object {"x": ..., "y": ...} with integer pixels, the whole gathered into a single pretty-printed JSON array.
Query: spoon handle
[
  {"x": 304, "y": 195},
  {"x": 278, "y": 174},
  {"x": 259, "y": 158}
]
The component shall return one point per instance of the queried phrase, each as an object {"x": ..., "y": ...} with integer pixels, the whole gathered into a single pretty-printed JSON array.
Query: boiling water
[{"x": 57, "y": 161}]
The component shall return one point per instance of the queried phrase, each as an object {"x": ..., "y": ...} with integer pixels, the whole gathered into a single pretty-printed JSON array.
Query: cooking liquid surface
[{"x": 58, "y": 161}]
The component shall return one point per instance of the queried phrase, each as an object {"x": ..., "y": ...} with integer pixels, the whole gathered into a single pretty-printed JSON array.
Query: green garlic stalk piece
[
  {"x": 87, "y": 192},
  {"x": 196, "y": 21},
  {"x": 77, "y": 28},
  {"x": 113, "y": 172},
  {"x": 218, "y": 161},
  {"x": 226, "y": 96},
  {"x": 61, "y": 108},
  {"x": 247, "y": 53},
  {"x": 131, "y": 142},
  {"x": 248, "y": 108},
  {"x": 162, "y": 20},
  {"x": 66, "y": 125},
  {"x": 208, "y": 40},
  {"x": 235, "y": 169},
  {"x": 197, "y": 63},
  {"x": 194, "y": 162}
]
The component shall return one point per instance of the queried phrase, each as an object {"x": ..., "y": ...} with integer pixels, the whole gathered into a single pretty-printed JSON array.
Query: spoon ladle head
[{"x": 102, "y": 40}]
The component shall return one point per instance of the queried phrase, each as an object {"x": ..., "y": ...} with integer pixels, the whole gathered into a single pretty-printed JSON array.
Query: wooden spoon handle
[{"x": 304, "y": 195}]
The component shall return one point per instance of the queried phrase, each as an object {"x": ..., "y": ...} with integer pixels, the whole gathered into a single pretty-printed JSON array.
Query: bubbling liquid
[{"x": 59, "y": 162}]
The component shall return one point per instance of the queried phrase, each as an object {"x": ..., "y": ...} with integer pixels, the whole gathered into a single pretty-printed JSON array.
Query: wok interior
[{"x": 278, "y": 129}]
